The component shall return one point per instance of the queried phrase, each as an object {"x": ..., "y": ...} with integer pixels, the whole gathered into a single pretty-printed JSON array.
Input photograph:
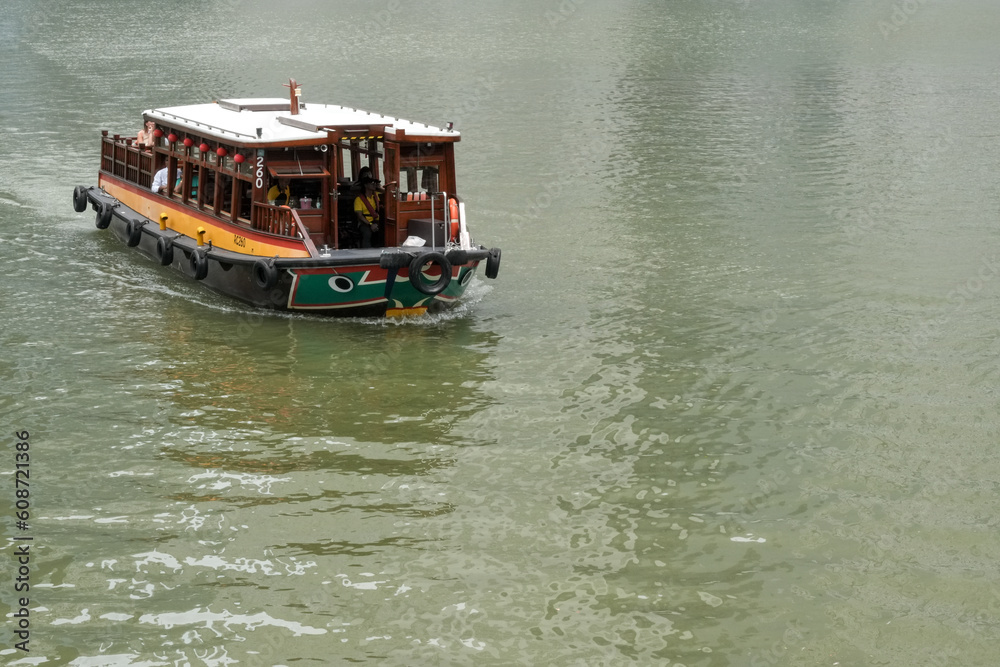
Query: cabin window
[
  {"x": 420, "y": 152},
  {"x": 374, "y": 157},
  {"x": 358, "y": 154},
  {"x": 208, "y": 190},
  {"x": 346, "y": 164},
  {"x": 305, "y": 188},
  {"x": 187, "y": 186},
  {"x": 306, "y": 179},
  {"x": 243, "y": 200},
  {"x": 224, "y": 188},
  {"x": 297, "y": 171},
  {"x": 243, "y": 169},
  {"x": 417, "y": 180}
]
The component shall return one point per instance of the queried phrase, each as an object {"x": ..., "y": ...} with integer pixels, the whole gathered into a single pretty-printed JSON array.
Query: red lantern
[
  {"x": 238, "y": 158},
  {"x": 203, "y": 148},
  {"x": 188, "y": 142},
  {"x": 157, "y": 133},
  {"x": 220, "y": 151},
  {"x": 172, "y": 137}
]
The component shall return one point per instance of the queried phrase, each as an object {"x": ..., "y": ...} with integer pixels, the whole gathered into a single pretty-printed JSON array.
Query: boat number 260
[{"x": 260, "y": 172}]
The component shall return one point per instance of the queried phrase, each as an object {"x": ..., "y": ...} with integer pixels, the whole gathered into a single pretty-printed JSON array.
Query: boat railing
[
  {"x": 128, "y": 161},
  {"x": 464, "y": 239},
  {"x": 282, "y": 221},
  {"x": 279, "y": 220},
  {"x": 432, "y": 209},
  {"x": 441, "y": 210}
]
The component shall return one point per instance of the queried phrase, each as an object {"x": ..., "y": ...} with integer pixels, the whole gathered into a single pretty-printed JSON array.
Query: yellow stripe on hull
[
  {"x": 226, "y": 237},
  {"x": 406, "y": 312}
]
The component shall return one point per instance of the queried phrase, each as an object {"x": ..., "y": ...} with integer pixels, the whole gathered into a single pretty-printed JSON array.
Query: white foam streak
[
  {"x": 224, "y": 480},
  {"x": 209, "y": 619}
]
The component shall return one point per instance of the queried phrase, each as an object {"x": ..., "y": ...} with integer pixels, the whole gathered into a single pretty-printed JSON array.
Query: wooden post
[{"x": 294, "y": 90}]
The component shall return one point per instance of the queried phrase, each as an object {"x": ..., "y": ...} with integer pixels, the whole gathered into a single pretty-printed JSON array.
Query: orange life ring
[{"x": 453, "y": 208}]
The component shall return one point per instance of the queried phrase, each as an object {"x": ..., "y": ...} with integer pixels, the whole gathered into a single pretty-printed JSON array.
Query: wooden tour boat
[{"x": 301, "y": 251}]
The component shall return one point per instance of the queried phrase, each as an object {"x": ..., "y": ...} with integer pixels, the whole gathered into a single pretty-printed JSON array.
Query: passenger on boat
[
  {"x": 145, "y": 137},
  {"x": 366, "y": 209},
  {"x": 160, "y": 180},
  {"x": 194, "y": 186},
  {"x": 363, "y": 175},
  {"x": 279, "y": 194}
]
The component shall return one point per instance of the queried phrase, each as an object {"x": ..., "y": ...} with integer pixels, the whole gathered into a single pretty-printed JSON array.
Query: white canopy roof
[{"x": 239, "y": 120}]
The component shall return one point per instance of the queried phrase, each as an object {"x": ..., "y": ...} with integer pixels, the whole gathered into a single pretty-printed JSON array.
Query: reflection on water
[{"x": 313, "y": 377}]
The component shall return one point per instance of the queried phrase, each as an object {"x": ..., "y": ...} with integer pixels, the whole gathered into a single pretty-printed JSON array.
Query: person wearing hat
[{"x": 366, "y": 208}]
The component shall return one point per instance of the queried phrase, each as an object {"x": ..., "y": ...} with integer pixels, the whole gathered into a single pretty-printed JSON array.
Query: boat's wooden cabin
[{"x": 228, "y": 155}]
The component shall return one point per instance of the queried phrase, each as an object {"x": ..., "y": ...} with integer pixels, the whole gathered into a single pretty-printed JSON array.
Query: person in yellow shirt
[
  {"x": 366, "y": 210},
  {"x": 279, "y": 194}
]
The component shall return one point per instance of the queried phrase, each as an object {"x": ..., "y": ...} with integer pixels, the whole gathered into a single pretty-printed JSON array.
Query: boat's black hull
[{"x": 351, "y": 283}]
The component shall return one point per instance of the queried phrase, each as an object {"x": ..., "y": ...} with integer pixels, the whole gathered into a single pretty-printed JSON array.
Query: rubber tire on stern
[
  {"x": 133, "y": 233},
  {"x": 458, "y": 257},
  {"x": 439, "y": 285},
  {"x": 103, "y": 219},
  {"x": 164, "y": 251},
  {"x": 80, "y": 199},
  {"x": 394, "y": 260},
  {"x": 265, "y": 276},
  {"x": 493, "y": 263},
  {"x": 199, "y": 264}
]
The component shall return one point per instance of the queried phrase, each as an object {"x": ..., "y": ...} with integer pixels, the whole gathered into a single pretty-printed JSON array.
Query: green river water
[{"x": 731, "y": 401}]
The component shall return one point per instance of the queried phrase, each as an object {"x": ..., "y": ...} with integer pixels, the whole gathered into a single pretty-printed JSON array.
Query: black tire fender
[
  {"x": 392, "y": 259},
  {"x": 103, "y": 219},
  {"x": 133, "y": 233},
  {"x": 80, "y": 199},
  {"x": 493, "y": 263},
  {"x": 416, "y": 278},
  {"x": 198, "y": 261},
  {"x": 265, "y": 276},
  {"x": 458, "y": 257},
  {"x": 165, "y": 251}
]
